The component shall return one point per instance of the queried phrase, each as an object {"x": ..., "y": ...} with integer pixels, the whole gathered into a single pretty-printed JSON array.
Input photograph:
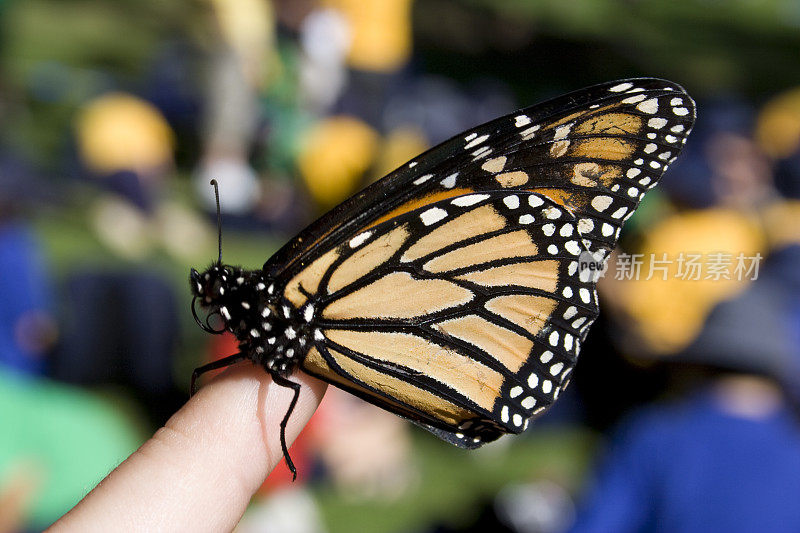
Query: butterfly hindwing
[
  {"x": 461, "y": 315},
  {"x": 450, "y": 292}
]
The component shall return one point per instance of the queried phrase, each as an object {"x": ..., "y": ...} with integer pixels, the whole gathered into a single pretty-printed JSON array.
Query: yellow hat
[
  {"x": 119, "y": 131},
  {"x": 336, "y": 153},
  {"x": 381, "y": 32}
]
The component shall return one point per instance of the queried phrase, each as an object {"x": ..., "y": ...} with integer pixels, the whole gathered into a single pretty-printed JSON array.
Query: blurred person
[
  {"x": 325, "y": 38},
  {"x": 380, "y": 47},
  {"x": 120, "y": 327},
  {"x": 120, "y": 324},
  {"x": 707, "y": 242},
  {"x": 126, "y": 146},
  {"x": 778, "y": 134},
  {"x": 27, "y": 326},
  {"x": 727, "y": 457},
  {"x": 241, "y": 61}
]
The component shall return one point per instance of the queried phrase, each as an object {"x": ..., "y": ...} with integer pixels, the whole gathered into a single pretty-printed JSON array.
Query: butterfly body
[
  {"x": 453, "y": 292},
  {"x": 271, "y": 334}
]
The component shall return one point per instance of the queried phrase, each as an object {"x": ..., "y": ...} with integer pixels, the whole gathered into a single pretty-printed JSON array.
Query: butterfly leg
[
  {"x": 283, "y": 382},
  {"x": 214, "y": 365}
]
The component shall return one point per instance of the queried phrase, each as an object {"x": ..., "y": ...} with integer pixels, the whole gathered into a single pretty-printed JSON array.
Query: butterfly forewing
[
  {"x": 450, "y": 292},
  {"x": 590, "y": 150}
]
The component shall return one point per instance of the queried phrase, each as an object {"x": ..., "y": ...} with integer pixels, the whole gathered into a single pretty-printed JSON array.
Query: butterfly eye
[{"x": 196, "y": 283}]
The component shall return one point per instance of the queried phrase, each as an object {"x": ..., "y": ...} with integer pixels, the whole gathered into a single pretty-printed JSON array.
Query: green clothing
[{"x": 72, "y": 437}]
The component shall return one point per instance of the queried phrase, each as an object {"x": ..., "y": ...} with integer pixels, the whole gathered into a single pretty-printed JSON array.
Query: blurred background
[{"x": 683, "y": 414}]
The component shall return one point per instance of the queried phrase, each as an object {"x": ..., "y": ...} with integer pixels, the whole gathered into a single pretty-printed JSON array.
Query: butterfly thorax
[{"x": 270, "y": 334}]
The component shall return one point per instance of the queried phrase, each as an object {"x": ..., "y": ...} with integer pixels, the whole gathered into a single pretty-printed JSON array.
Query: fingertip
[
  {"x": 200, "y": 470},
  {"x": 244, "y": 408}
]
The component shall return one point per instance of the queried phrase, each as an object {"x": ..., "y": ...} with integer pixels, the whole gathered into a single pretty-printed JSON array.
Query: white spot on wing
[
  {"x": 584, "y": 294},
  {"x": 572, "y": 247},
  {"x": 450, "y": 181},
  {"x": 475, "y": 142},
  {"x": 551, "y": 212},
  {"x": 648, "y": 106},
  {"x": 601, "y": 202},
  {"x": 619, "y": 213},
  {"x": 432, "y": 215},
  {"x": 529, "y": 402},
  {"x": 528, "y": 133},
  {"x": 422, "y": 179},
  {"x": 585, "y": 225},
  {"x": 562, "y": 132},
  {"x": 634, "y": 99},
  {"x": 360, "y": 239},
  {"x": 470, "y": 199},
  {"x": 521, "y": 120},
  {"x": 481, "y": 152},
  {"x": 512, "y": 202},
  {"x": 621, "y": 87},
  {"x": 535, "y": 200}
]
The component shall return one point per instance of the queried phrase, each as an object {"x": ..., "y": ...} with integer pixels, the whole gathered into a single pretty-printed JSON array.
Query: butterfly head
[
  {"x": 212, "y": 289},
  {"x": 210, "y": 286}
]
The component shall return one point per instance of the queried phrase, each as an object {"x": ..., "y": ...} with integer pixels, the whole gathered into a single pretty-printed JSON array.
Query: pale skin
[{"x": 199, "y": 472}]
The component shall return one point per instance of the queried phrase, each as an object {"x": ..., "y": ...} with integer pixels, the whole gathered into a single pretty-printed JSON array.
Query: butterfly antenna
[{"x": 219, "y": 220}]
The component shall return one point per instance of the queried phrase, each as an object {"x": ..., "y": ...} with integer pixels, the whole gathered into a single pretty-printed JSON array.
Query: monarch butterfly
[{"x": 449, "y": 292}]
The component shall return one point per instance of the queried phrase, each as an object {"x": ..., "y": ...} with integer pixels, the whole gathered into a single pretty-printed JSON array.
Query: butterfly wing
[
  {"x": 465, "y": 315},
  {"x": 450, "y": 291}
]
